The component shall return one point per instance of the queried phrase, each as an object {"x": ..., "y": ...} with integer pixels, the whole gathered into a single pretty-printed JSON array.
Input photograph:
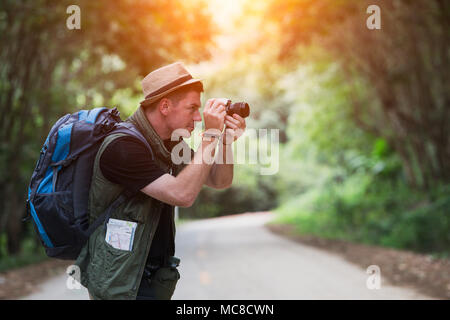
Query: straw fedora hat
[{"x": 165, "y": 80}]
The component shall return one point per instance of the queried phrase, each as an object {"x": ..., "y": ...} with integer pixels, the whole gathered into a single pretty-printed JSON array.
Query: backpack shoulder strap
[{"x": 129, "y": 129}]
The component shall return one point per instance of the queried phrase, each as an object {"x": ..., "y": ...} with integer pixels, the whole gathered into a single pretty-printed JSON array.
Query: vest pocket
[
  {"x": 107, "y": 266},
  {"x": 115, "y": 257}
]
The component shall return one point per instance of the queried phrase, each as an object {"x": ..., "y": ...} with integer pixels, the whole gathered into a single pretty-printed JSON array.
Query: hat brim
[{"x": 150, "y": 100}]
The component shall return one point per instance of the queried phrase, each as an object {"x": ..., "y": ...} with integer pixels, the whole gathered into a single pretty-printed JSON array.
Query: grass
[
  {"x": 374, "y": 213},
  {"x": 28, "y": 255}
]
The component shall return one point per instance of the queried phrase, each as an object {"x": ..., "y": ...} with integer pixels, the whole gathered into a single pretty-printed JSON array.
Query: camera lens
[
  {"x": 244, "y": 109},
  {"x": 241, "y": 108}
]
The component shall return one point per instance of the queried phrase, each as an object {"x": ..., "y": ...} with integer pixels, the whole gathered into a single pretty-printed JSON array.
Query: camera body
[{"x": 241, "y": 108}]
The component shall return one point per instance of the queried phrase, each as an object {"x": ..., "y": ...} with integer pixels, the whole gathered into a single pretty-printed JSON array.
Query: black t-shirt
[{"x": 127, "y": 161}]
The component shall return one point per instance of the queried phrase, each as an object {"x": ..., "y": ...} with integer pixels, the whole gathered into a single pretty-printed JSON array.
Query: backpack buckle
[
  {"x": 104, "y": 127},
  {"x": 115, "y": 114}
]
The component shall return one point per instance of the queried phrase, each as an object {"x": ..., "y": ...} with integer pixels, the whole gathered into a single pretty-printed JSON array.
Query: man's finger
[
  {"x": 231, "y": 119},
  {"x": 208, "y": 104},
  {"x": 231, "y": 124},
  {"x": 238, "y": 117},
  {"x": 217, "y": 105},
  {"x": 220, "y": 108}
]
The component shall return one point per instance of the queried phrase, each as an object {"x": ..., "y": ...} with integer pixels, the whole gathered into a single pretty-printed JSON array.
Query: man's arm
[
  {"x": 183, "y": 189},
  {"x": 221, "y": 174}
]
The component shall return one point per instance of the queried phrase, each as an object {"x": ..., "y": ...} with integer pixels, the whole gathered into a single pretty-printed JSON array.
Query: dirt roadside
[
  {"x": 402, "y": 268},
  {"x": 20, "y": 282}
]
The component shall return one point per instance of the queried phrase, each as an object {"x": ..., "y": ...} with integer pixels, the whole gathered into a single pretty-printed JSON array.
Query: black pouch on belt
[{"x": 162, "y": 279}]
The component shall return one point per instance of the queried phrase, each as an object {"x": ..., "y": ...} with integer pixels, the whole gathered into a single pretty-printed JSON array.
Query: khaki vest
[{"x": 107, "y": 272}]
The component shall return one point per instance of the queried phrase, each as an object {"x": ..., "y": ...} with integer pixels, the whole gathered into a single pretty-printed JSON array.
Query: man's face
[{"x": 184, "y": 114}]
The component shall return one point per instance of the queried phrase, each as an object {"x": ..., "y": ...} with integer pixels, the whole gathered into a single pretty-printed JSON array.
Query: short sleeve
[{"x": 128, "y": 162}]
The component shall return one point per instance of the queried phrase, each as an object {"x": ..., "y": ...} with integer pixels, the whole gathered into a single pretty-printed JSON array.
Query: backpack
[{"x": 59, "y": 188}]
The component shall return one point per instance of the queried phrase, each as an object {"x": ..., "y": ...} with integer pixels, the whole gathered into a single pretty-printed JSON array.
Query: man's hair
[{"x": 177, "y": 95}]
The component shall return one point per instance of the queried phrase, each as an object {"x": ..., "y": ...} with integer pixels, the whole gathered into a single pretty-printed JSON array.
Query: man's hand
[
  {"x": 214, "y": 114},
  {"x": 235, "y": 127}
]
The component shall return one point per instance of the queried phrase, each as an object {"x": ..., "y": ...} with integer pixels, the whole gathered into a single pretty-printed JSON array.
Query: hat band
[{"x": 169, "y": 86}]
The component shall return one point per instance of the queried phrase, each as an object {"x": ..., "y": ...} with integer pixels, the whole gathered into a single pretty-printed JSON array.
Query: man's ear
[{"x": 163, "y": 106}]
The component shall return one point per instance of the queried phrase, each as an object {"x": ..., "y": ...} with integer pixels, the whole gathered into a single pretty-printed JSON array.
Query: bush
[
  {"x": 30, "y": 253},
  {"x": 367, "y": 209}
]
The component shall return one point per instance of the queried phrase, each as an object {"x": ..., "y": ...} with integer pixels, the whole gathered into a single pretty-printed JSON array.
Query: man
[{"x": 123, "y": 163}]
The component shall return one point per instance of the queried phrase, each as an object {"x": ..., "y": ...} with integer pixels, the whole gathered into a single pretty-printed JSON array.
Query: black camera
[{"x": 241, "y": 108}]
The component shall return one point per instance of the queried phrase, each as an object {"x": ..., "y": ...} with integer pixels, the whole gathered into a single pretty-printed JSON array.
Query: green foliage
[
  {"x": 424, "y": 228},
  {"x": 350, "y": 184},
  {"x": 30, "y": 253},
  {"x": 403, "y": 66},
  {"x": 369, "y": 210}
]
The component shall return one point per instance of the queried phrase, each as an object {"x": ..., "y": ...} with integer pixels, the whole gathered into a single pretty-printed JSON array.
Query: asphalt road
[{"x": 236, "y": 257}]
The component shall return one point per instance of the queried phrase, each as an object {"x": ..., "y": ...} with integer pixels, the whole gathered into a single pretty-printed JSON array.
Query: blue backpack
[{"x": 59, "y": 187}]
